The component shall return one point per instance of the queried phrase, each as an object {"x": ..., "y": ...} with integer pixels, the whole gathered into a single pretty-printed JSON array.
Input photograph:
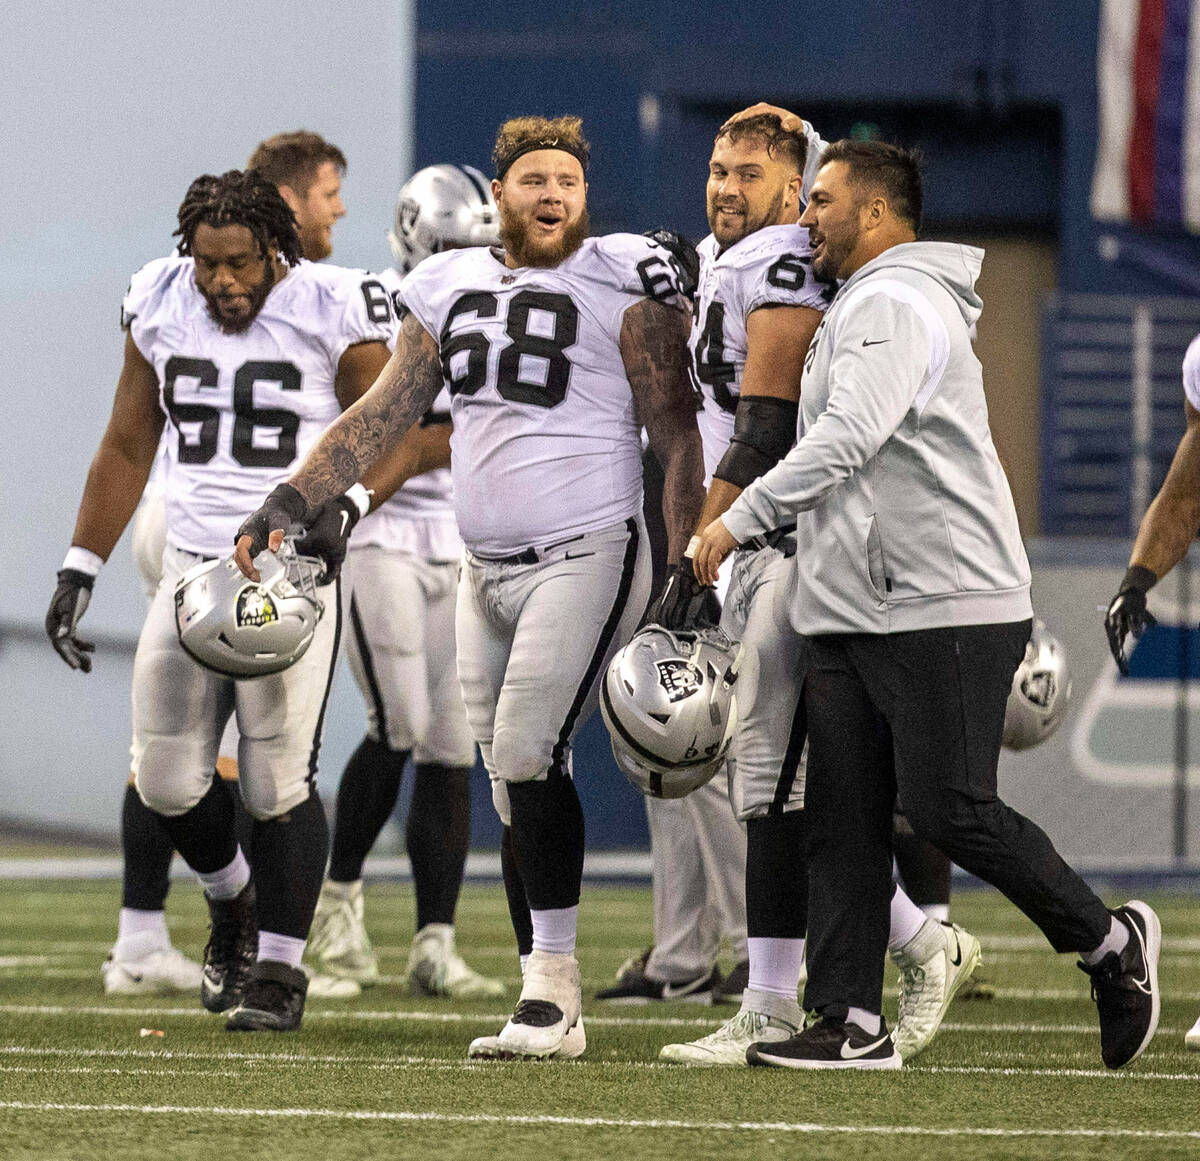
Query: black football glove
[
  {"x": 1127, "y": 613},
  {"x": 686, "y": 260},
  {"x": 281, "y": 509},
  {"x": 684, "y": 602},
  {"x": 327, "y": 534},
  {"x": 67, "y": 606}
]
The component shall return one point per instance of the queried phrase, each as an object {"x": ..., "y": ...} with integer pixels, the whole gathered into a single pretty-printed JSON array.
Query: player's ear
[
  {"x": 791, "y": 198},
  {"x": 289, "y": 195},
  {"x": 497, "y": 189}
]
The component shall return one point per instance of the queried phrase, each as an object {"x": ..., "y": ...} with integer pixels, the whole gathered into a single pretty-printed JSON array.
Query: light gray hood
[{"x": 954, "y": 266}]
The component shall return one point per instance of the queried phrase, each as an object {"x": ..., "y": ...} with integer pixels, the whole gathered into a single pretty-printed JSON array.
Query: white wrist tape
[
  {"x": 361, "y": 497},
  {"x": 692, "y": 546},
  {"x": 83, "y": 560}
]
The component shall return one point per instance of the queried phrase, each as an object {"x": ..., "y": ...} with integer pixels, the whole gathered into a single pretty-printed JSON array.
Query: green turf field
[{"x": 385, "y": 1076}]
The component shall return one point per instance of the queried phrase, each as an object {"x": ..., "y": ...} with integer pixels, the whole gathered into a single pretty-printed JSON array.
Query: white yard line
[
  {"x": 424, "y": 1117},
  {"x": 442, "y": 1064}
]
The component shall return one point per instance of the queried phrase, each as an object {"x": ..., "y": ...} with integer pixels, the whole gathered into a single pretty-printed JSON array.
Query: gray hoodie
[{"x": 904, "y": 514}]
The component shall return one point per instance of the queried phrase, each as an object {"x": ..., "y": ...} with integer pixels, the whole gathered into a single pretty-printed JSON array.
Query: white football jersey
[
  {"x": 771, "y": 267},
  {"x": 419, "y": 517},
  {"x": 1191, "y": 373},
  {"x": 545, "y": 444},
  {"x": 243, "y": 409}
]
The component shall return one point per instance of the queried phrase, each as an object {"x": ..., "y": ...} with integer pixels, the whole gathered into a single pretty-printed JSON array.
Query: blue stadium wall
[{"x": 1002, "y": 97}]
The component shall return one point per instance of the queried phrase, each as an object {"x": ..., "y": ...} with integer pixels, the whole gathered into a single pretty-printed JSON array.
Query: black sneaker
[
  {"x": 1125, "y": 987},
  {"x": 828, "y": 1044},
  {"x": 273, "y": 1000},
  {"x": 633, "y": 986},
  {"x": 731, "y": 988},
  {"x": 232, "y": 946}
]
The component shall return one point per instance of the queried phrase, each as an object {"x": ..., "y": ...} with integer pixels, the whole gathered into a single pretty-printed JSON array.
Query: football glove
[
  {"x": 684, "y": 602},
  {"x": 686, "y": 260},
  {"x": 282, "y": 508},
  {"x": 67, "y": 606},
  {"x": 1127, "y": 613},
  {"x": 327, "y": 534}
]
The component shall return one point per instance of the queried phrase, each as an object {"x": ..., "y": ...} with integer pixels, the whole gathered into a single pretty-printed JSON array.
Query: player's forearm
[
  {"x": 365, "y": 431},
  {"x": 115, "y": 483},
  {"x": 721, "y": 494},
  {"x": 1166, "y": 531},
  {"x": 683, "y": 489},
  {"x": 421, "y": 450}
]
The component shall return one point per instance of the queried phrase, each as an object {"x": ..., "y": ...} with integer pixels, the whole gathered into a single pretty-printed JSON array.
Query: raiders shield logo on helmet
[
  {"x": 678, "y": 678},
  {"x": 255, "y": 608}
]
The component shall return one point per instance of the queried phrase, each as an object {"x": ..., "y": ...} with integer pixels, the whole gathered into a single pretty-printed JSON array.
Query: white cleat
[
  {"x": 727, "y": 1045},
  {"x": 1192, "y": 1039},
  {"x": 322, "y": 986},
  {"x": 491, "y": 1048},
  {"x": 933, "y": 965},
  {"x": 158, "y": 971},
  {"x": 436, "y": 969},
  {"x": 338, "y": 942},
  {"x": 547, "y": 1012}
]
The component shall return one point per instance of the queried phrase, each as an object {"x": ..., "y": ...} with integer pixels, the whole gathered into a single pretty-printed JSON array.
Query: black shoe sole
[{"x": 256, "y": 1020}]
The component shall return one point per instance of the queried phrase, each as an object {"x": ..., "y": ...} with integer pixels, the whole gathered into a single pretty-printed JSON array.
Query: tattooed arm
[
  {"x": 654, "y": 350},
  {"x": 375, "y": 426}
]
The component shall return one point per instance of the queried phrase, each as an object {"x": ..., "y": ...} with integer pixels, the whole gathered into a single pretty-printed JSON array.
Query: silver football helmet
[
  {"x": 668, "y": 702},
  {"x": 240, "y": 628},
  {"x": 443, "y": 207},
  {"x": 1041, "y": 691}
]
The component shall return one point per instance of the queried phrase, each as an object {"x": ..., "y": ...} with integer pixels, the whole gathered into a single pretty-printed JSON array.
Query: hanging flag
[{"x": 1148, "y": 145}]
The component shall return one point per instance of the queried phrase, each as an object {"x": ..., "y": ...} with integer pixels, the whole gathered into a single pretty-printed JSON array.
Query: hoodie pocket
[{"x": 875, "y": 568}]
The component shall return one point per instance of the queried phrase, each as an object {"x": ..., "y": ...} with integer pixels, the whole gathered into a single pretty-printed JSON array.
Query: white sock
[
  {"x": 147, "y": 930},
  {"x": 907, "y": 918},
  {"x": 554, "y": 929},
  {"x": 938, "y": 911},
  {"x": 1115, "y": 940},
  {"x": 775, "y": 965},
  {"x": 280, "y": 948},
  {"x": 869, "y": 1022},
  {"x": 228, "y": 882},
  {"x": 344, "y": 892}
]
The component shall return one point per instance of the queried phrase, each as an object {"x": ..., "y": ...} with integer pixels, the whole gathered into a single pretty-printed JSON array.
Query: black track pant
[{"x": 921, "y": 714}]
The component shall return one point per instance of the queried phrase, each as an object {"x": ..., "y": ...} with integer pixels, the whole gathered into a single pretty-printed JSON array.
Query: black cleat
[
  {"x": 1125, "y": 987},
  {"x": 232, "y": 946},
  {"x": 633, "y": 986},
  {"x": 730, "y": 989},
  {"x": 273, "y": 1000},
  {"x": 828, "y": 1044}
]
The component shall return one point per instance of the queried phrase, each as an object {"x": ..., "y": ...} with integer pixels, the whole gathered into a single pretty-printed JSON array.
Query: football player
[
  {"x": 404, "y": 565},
  {"x": 1163, "y": 539},
  {"x": 244, "y": 352},
  {"x": 555, "y": 350},
  {"x": 758, "y": 306},
  {"x": 308, "y": 171}
]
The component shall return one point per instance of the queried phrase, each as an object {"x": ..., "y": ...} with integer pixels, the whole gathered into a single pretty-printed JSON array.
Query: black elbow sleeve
[{"x": 764, "y": 429}]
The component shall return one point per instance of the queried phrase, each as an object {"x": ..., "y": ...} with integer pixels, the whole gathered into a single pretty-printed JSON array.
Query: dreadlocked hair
[{"x": 240, "y": 199}]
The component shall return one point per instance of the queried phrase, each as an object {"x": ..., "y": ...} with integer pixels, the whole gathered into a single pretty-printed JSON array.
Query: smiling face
[
  {"x": 543, "y": 208},
  {"x": 317, "y": 210},
  {"x": 834, "y": 217},
  {"x": 232, "y": 275},
  {"x": 748, "y": 189}
]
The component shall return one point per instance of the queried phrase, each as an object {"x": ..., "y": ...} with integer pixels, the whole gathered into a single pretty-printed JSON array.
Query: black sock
[
  {"x": 289, "y": 865},
  {"x": 243, "y": 820},
  {"x": 924, "y": 870},
  {"x": 204, "y": 835},
  {"x": 148, "y": 850},
  {"x": 366, "y": 798},
  {"x": 518, "y": 905},
  {"x": 777, "y": 876},
  {"x": 437, "y": 836},
  {"x": 547, "y": 840}
]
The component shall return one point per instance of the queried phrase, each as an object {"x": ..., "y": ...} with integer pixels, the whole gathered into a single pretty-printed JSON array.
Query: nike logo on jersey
[
  {"x": 874, "y": 342},
  {"x": 345, "y": 521},
  {"x": 849, "y": 1053}
]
